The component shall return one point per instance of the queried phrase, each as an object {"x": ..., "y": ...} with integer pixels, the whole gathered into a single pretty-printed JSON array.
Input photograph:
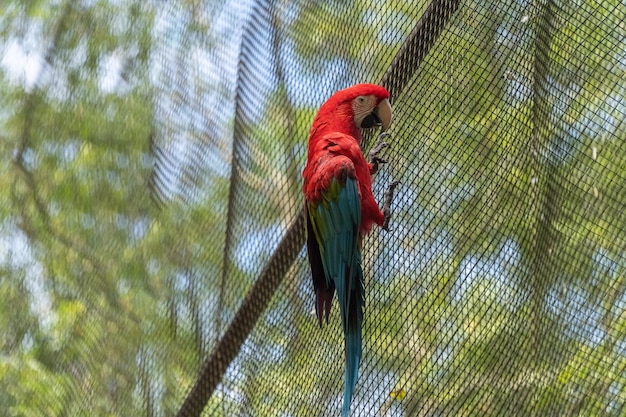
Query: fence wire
[{"x": 151, "y": 238}]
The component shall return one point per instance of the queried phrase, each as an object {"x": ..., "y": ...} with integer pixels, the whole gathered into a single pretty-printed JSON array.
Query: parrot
[{"x": 340, "y": 208}]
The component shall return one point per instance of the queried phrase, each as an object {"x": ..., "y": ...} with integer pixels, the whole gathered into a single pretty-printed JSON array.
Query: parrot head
[{"x": 362, "y": 106}]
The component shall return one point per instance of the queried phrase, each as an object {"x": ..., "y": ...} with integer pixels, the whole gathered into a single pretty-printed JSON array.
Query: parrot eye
[{"x": 360, "y": 99}]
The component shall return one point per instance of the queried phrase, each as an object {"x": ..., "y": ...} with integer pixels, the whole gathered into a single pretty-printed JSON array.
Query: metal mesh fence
[{"x": 151, "y": 237}]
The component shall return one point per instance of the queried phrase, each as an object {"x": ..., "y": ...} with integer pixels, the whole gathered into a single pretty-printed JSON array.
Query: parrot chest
[{"x": 333, "y": 158}]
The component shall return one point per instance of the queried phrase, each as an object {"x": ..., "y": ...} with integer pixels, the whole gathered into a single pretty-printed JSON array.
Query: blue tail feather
[
  {"x": 352, "y": 334},
  {"x": 353, "y": 359}
]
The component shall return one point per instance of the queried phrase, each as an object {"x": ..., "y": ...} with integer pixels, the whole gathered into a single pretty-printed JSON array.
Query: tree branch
[
  {"x": 244, "y": 321},
  {"x": 417, "y": 45}
]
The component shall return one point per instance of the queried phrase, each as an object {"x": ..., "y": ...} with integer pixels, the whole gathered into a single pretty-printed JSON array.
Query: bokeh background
[{"x": 150, "y": 162}]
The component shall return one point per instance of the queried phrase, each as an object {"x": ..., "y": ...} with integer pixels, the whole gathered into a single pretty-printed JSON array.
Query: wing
[
  {"x": 334, "y": 220},
  {"x": 324, "y": 288}
]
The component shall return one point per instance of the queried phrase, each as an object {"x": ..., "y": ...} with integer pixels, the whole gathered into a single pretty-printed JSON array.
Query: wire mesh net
[{"x": 151, "y": 250}]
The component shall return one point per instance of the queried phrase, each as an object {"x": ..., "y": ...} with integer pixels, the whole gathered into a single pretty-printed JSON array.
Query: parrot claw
[
  {"x": 387, "y": 204},
  {"x": 373, "y": 154}
]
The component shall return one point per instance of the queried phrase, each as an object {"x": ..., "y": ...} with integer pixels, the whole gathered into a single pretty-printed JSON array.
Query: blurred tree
[{"x": 500, "y": 290}]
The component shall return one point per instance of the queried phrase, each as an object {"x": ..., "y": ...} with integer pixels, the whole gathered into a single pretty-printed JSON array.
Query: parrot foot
[
  {"x": 374, "y": 153},
  {"x": 388, "y": 198}
]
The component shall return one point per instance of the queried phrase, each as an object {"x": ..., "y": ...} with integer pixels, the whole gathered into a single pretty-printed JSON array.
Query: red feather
[{"x": 334, "y": 133}]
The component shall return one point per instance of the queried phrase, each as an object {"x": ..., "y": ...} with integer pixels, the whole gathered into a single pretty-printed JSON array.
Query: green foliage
[{"x": 499, "y": 291}]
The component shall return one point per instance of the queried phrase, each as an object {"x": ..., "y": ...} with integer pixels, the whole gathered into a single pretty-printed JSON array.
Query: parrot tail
[
  {"x": 353, "y": 358},
  {"x": 353, "y": 342}
]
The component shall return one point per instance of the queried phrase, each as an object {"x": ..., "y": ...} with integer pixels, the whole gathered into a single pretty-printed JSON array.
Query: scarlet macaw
[{"x": 340, "y": 208}]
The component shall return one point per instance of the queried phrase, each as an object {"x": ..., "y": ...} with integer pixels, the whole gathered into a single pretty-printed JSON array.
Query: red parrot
[{"x": 340, "y": 208}]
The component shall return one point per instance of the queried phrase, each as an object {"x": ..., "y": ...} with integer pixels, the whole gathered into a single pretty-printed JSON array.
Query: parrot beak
[
  {"x": 379, "y": 116},
  {"x": 382, "y": 112}
]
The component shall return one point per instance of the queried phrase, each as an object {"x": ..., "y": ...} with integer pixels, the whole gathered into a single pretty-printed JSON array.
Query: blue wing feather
[{"x": 335, "y": 222}]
